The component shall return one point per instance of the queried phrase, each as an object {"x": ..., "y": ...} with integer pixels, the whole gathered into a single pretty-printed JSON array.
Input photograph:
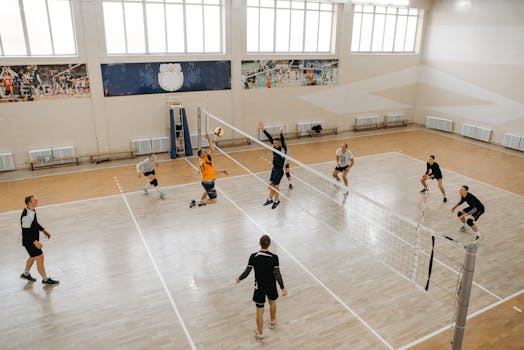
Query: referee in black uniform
[
  {"x": 470, "y": 214},
  {"x": 433, "y": 173},
  {"x": 31, "y": 241},
  {"x": 267, "y": 273}
]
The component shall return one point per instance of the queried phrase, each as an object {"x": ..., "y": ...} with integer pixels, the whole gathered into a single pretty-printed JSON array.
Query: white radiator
[
  {"x": 273, "y": 130},
  {"x": 7, "y": 161},
  {"x": 48, "y": 156},
  {"x": 512, "y": 141},
  {"x": 203, "y": 143},
  {"x": 303, "y": 128},
  {"x": 396, "y": 117},
  {"x": 439, "y": 124},
  {"x": 160, "y": 144},
  {"x": 373, "y": 119},
  {"x": 475, "y": 132},
  {"x": 63, "y": 152},
  {"x": 482, "y": 134},
  {"x": 44, "y": 154},
  {"x": 141, "y": 146},
  {"x": 468, "y": 130}
]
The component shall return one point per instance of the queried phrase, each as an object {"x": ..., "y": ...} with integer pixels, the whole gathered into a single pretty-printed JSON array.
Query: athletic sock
[{"x": 26, "y": 273}]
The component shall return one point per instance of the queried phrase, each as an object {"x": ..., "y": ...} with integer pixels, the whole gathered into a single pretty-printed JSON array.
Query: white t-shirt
[
  {"x": 146, "y": 165},
  {"x": 343, "y": 158}
]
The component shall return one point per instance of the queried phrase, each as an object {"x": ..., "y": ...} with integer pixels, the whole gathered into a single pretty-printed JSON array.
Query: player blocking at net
[
  {"x": 147, "y": 167},
  {"x": 267, "y": 274},
  {"x": 208, "y": 172},
  {"x": 277, "y": 172}
]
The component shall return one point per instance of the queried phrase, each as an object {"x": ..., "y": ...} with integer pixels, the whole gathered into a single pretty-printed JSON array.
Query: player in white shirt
[
  {"x": 147, "y": 168},
  {"x": 345, "y": 162}
]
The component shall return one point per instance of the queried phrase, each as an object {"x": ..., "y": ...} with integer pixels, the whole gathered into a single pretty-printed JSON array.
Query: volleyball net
[
  {"x": 430, "y": 260},
  {"x": 402, "y": 244}
]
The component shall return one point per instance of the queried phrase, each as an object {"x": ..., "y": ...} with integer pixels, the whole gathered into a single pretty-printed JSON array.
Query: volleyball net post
[{"x": 463, "y": 296}]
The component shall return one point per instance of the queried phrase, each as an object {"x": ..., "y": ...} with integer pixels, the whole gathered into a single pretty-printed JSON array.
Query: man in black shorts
[
  {"x": 267, "y": 273},
  {"x": 433, "y": 172},
  {"x": 31, "y": 241},
  {"x": 277, "y": 172},
  {"x": 470, "y": 214}
]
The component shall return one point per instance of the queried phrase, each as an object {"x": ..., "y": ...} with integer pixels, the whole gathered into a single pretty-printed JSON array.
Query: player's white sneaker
[{"x": 145, "y": 190}]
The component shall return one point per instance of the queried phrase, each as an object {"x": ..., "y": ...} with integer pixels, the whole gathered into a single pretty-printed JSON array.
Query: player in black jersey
[
  {"x": 267, "y": 273},
  {"x": 31, "y": 241},
  {"x": 433, "y": 173},
  {"x": 277, "y": 172},
  {"x": 470, "y": 214}
]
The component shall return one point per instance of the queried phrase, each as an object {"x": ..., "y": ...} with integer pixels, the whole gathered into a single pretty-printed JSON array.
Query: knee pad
[
  {"x": 470, "y": 222},
  {"x": 459, "y": 213},
  {"x": 154, "y": 182},
  {"x": 288, "y": 175}
]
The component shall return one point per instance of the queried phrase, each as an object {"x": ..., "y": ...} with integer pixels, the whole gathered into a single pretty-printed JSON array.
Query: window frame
[
  {"x": 416, "y": 45},
  {"x": 333, "y": 30},
  {"x": 223, "y": 13},
  {"x": 49, "y": 26}
]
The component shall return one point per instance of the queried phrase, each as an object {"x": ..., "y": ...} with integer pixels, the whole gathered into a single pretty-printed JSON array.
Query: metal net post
[{"x": 463, "y": 296}]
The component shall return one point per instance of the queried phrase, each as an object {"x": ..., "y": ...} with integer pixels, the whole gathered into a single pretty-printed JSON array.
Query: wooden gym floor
[{"x": 139, "y": 273}]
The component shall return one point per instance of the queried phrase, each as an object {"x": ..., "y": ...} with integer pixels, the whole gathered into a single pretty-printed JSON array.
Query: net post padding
[{"x": 463, "y": 296}]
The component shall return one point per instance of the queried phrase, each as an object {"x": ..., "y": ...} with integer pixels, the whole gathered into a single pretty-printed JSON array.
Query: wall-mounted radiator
[
  {"x": 7, "y": 162},
  {"x": 513, "y": 141},
  {"x": 439, "y": 124},
  {"x": 475, "y": 132},
  {"x": 150, "y": 145}
]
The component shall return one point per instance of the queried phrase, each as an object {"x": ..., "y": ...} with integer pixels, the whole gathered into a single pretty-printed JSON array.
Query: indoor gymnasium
[{"x": 262, "y": 174}]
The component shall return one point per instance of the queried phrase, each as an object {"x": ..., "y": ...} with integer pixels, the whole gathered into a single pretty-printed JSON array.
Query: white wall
[
  {"x": 471, "y": 70},
  {"x": 473, "y": 66}
]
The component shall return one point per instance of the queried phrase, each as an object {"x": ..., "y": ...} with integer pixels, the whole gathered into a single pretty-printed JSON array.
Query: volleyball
[{"x": 219, "y": 131}]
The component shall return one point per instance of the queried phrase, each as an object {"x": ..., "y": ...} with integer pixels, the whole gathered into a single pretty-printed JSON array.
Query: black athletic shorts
[
  {"x": 341, "y": 168},
  {"x": 32, "y": 250},
  {"x": 475, "y": 212},
  {"x": 147, "y": 173},
  {"x": 263, "y": 290},
  {"x": 209, "y": 186},
  {"x": 276, "y": 175}
]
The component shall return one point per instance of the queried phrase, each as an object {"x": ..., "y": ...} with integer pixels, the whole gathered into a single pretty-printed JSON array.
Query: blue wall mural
[{"x": 123, "y": 79}]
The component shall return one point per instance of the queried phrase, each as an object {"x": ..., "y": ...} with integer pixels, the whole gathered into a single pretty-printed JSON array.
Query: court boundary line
[
  {"x": 306, "y": 270},
  {"x": 449, "y": 326},
  {"x": 467, "y": 177},
  {"x": 418, "y": 127},
  {"x": 171, "y": 186},
  {"x": 159, "y": 274}
]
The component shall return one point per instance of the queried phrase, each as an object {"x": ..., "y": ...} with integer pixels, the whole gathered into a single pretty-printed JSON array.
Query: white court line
[
  {"x": 373, "y": 331},
  {"x": 476, "y": 313},
  {"x": 517, "y": 309},
  {"x": 170, "y": 297},
  {"x": 80, "y": 171},
  {"x": 467, "y": 177}
]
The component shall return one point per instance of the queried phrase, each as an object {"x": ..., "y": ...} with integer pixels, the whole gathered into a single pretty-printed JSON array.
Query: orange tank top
[{"x": 207, "y": 169}]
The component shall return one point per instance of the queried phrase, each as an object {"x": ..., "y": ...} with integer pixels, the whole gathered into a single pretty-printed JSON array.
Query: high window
[
  {"x": 36, "y": 28},
  {"x": 163, "y": 26},
  {"x": 385, "y": 29},
  {"x": 289, "y": 26}
]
